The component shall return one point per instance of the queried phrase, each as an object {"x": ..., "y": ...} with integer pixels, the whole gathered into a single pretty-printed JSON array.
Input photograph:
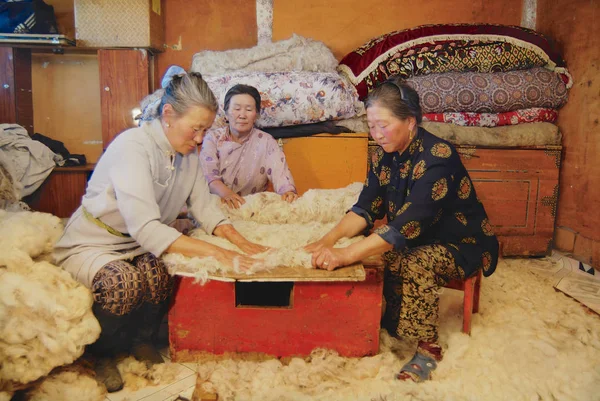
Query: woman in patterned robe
[{"x": 437, "y": 229}]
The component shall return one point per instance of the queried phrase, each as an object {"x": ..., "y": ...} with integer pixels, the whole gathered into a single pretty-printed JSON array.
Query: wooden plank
[
  {"x": 355, "y": 272},
  {"x": 124, "y": 82}
]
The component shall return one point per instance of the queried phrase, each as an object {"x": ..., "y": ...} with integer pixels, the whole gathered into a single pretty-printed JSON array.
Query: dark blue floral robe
[{"x": 428, "y": 198}]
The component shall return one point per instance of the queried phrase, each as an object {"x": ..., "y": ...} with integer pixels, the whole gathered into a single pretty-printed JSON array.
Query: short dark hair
[
  {"x": 241, "y": 89},
  {"x": 395, "y": 95}
]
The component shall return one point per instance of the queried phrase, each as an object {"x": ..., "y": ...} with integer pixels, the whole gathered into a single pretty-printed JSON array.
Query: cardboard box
[{"x": 119, "y": 23}]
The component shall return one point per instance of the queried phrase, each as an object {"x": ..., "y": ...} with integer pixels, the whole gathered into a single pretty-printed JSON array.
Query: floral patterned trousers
[
  {"x": 411, "y": 289},
  {"x": 121, "y": 287}
]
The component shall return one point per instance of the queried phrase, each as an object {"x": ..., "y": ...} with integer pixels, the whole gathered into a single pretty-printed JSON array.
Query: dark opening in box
[{"x": 264, "y": 294}]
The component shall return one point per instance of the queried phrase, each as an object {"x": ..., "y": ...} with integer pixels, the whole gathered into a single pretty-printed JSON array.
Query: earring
[{"x": 168, "y": 125}]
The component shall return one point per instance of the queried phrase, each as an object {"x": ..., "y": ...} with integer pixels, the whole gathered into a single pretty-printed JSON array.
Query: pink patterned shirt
[{"x": 248, "y": 167}]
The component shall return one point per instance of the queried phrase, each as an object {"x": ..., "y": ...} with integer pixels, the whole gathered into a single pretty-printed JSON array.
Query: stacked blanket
[
  {"x": 468, "y": 75},
  {"x": 296, "y": 78}
]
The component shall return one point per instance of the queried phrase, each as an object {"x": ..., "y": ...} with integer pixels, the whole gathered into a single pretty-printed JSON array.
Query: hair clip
[{"x": 402, "y": 95}]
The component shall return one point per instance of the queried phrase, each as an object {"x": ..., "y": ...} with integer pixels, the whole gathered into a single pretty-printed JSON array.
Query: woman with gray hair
[{"x": 113, "y": 242}]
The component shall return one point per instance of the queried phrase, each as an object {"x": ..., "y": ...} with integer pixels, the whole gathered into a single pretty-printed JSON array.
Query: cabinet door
[
  {"x": 16, "y": 106},
  {"x": 124, "y": 82}
]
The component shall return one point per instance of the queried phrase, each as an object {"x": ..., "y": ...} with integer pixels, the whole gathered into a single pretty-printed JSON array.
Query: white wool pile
[
  {"x": 136, "y": 374},
  {"x": 316, "y": 205},
  {"x": 5, "y": 395},
  {"x": 46, "y": 318},
  {"x": 285, "y": 227},
  {"x": 34, "y": 233},
  {"x": 528, "y": 342},
  {"x": 67, "y": 386}
]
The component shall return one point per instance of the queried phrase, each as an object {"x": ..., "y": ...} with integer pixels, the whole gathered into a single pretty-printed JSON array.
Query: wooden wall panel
[
  {"x": 327, "y": 161},
  {"x": 577, "y": 35},
  {"x": 124, "y": 82},
  {"x": 192, "y": 26},
  {"x": 574, "y": 27},
  {"x": 344, "y": 25},
  {"x": 66, "y": 101},
  {"x": 8, "y": 113}
]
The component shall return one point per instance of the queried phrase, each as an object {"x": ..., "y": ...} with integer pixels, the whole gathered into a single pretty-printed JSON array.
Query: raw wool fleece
[
  {"x": 34, "y": 233},
  {"x": 316, "y": 205},
  {"x": 68, "y": 385},
  {"x": 136, "y": 375},
  {"x": 46, "y": 319},
  {"x": 528, "y": 342},
  {"x": 10, "y": 190},
  {"x": 295, "y": 54},
  {"x": 46, "y": 316},
  {"x": 268, "y": 220}
]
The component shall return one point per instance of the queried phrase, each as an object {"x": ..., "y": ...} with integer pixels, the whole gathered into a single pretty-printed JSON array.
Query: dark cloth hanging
[{"x": 68, "y": 159}]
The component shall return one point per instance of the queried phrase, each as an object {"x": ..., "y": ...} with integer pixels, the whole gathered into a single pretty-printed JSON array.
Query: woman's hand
[
  {"x": 228, "y": 232},
  {"x": 318, "y": 245},
  {"x": 232, "y": 200},
  {"x": 289, "y": 196},
  {"x": 230, "y": 258},
  {"x": 252, "y": 248},
  {"x": 328, "y": 258}
]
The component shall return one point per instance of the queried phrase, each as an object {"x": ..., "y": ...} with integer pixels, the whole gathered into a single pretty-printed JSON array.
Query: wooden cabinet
[
  {"x": 83, "y": 98},
  {"x": 519, "y": 189},
  {"x": 62, "y": 191}
]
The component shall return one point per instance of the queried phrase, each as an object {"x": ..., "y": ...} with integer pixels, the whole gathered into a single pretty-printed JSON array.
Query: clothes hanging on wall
[{"x": 31, "y": 161}]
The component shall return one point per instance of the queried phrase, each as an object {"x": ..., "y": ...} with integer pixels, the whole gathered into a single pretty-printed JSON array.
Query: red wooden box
[{"x": 279, "y": 314}]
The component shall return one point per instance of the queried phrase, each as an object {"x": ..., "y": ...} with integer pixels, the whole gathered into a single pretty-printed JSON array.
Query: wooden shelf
[{"x": 73, "y": 169}]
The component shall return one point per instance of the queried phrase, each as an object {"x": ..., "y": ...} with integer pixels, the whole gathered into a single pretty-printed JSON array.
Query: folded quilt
[
  {"x": 530, "y": 134},
  {"x": 496, "y": 92},
  {"x": 449, "y": 48},
  {"x": 467, "y": 119}
]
